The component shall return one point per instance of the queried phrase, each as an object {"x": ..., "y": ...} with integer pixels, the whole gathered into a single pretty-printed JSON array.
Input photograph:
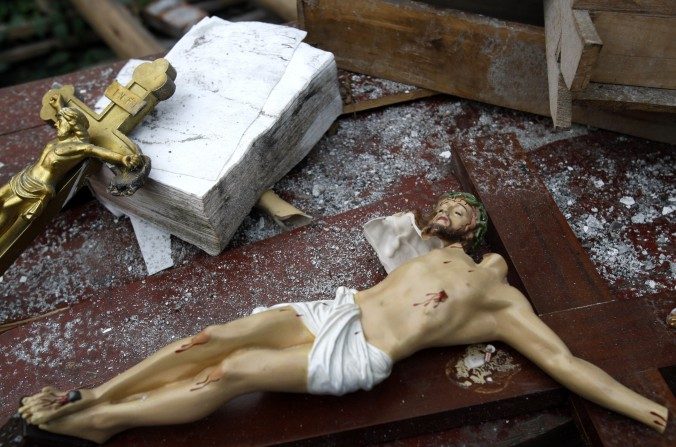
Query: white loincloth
[{"x": 341, "y": 360}]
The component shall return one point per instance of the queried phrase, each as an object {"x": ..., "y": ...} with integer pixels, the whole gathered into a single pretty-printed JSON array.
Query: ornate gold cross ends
[{"x": 84, "y": 138}]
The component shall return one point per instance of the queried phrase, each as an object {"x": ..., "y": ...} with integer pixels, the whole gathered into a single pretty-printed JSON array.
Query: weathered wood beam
[
  {"x": 580, "y": 46},
  {"x": 627, "y": 97},
  {"x": 466, "y": 55},
  {"x": 118, "y": 28},
  {"x": 664, "y": 7},
  {"x": 560, "y": 98},
  {"x": 637, "y": 49}
]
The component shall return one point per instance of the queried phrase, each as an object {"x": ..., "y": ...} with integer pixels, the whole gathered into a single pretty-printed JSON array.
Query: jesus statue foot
[{"x": 51, "y": 403}]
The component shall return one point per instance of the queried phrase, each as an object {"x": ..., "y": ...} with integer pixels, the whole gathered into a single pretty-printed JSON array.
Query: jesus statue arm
[
  {"x": 521, "y": 328},
  {"x": 106, "y": 155}
]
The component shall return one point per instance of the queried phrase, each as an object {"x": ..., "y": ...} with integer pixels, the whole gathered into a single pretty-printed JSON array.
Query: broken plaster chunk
[
  {"x": 445, "y": 155},
  {"x": 667, "y": 210},
  {"x": 593, "y": 222},
  {"x": 627, "y": 201},
  {"x": 638, "y": 218}
]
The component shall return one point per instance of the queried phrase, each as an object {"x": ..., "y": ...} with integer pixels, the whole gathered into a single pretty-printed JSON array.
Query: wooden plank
[
  {"x": 387, "y": 100},
  {"x": 467, "y": 55},
  {"x": 118, "y": 28},
  {"x": 658, "y": 126},
  {"x": 637, "y": 50},
  {"x": 529, "y": 225},
  {"x": 580, "y": 46},
  {"x": 627, "y": 97},
  {"x": 601, "y": 427},
  {"x": 665, "y": 7},
  {"x": 560, "y": 98}
]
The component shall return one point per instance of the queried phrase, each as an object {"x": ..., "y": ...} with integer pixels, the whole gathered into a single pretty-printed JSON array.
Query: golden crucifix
[{"x": 83, "y": 140}]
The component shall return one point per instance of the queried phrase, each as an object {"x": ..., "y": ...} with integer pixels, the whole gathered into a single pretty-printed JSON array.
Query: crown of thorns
[{"x": 481, "y": 215}]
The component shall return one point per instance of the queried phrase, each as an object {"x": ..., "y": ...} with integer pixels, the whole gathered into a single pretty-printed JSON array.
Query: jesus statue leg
[
  {"x": 178, "y": 362},
  {"x": 243, "y": 371}
]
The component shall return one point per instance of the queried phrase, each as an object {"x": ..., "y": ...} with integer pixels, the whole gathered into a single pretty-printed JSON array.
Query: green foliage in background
[{"x": 25, "y": 22}]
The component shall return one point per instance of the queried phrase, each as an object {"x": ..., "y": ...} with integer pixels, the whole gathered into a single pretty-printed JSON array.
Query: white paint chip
[
  {"x": 23, "y": 279},
  {"x": 105, "y": 331},
  {"x": 667, "y": 210},
  {"x": 445, "y": 155},
  {"x": 627, "y": 201},
  {"x": 155, "y": 245}
]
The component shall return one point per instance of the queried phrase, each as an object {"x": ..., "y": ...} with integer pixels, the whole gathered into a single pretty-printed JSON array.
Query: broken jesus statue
[{"x": 439, "y": 298}]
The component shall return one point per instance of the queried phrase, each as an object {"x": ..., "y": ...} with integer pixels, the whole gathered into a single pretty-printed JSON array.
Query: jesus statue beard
[{"x": 446, "y": 234}]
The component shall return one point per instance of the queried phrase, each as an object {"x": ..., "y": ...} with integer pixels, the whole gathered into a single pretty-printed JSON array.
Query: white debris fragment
[
  {"x": 598, "y": 183},
  {"x": 155, "y": 245},
  {"x": 105, "y": 331},
  {"x": 23, "y": 279},
  {"x": 650, "y": 283},
  {"x": 638, "y": 218},
  {"x": 593, "y": 222},
  {"x": 445, "y": 155},
  {"x": 668, "y": 210},
  {"x": 627, "y": 201}
]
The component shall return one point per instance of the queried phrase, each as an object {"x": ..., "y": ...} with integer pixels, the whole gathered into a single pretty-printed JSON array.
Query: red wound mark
[
  {"x": 435, "y": 297},
  {"x": 299, "y": 315},
  {"x": 198, "y": 339},
  {"x": 660, "y": 423},
  {"x": 470, "y": 271},
  {"x": 659, "y": 416},
  {"x": 446, "y": 262},
  {"x": 214, "y": 376}
]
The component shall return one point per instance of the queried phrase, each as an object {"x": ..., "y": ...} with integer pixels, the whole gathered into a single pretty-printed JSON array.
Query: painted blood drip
[
  {"x": 211, "y": 378},
  {"x": 436, "y": 298},
  {"x": 658, "y": 415},
  {"x": 198, "y": 339}
]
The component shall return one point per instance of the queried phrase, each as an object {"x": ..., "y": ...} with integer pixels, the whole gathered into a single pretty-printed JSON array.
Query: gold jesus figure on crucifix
[
  {"x": 27, "y": 192},
  {"x": 442, "y": 298}
]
